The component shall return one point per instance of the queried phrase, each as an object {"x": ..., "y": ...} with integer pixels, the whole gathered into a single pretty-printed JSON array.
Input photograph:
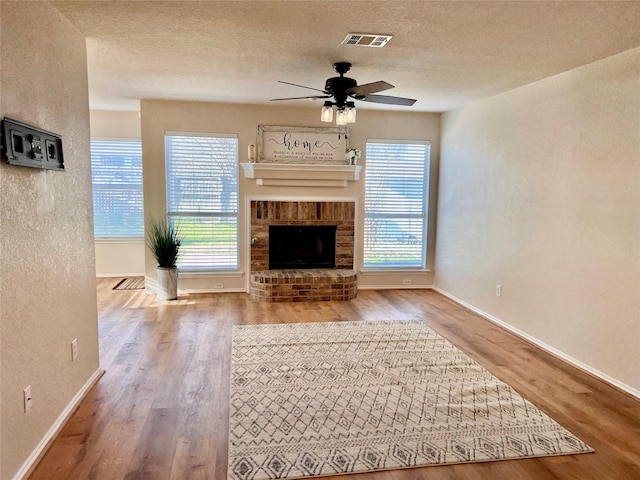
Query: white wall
[
  {"x": 47, "y": 275},
  {"x": 540, "y": 192},
  {"x": 119, "y": 257},
  {"x": 161, "y": 116}
]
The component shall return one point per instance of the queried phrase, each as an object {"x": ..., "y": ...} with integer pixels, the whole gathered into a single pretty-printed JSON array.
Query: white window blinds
[
  {"x": 202, "y": 199},
  {"x": 116, "y": 174},
  {"x": 396, "y": 192}
]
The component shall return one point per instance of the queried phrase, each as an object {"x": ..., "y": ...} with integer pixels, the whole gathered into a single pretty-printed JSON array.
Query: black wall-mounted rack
[{"x": 30, "y": 146}]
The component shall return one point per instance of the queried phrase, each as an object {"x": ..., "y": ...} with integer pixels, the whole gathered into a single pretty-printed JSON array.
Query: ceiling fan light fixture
[
  {"x": 326, "y": 115},
  {"x": 350, "y": 112},
  {"x": 341, "y": 117}
]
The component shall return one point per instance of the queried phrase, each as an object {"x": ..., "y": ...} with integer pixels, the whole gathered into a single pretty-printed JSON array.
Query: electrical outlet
[
  {"x": 74, "y": 349},
  {"x": 27, "y": 398},
  {"x": 406, "y": 281},
  {"x": 218, "y": 285},
  {"x": 498, "y": 290}
]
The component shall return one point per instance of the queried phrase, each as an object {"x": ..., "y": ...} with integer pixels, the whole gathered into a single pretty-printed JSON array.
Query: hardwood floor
[{"x": 160, "y": 411}]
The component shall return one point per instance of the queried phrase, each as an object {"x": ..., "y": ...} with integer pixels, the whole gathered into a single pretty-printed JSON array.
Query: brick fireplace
[{"x": 302, "y": 285}]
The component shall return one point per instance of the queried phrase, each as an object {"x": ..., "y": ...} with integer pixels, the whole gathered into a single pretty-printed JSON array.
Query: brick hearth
[{"x": 312, "y": 285}]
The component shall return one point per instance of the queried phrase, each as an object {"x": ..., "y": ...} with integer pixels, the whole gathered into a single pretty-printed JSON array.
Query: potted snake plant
[{"x": 164, "y": 241}]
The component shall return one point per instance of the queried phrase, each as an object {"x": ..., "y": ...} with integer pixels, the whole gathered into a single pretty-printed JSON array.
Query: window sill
[{"x": 119, "y": 240}]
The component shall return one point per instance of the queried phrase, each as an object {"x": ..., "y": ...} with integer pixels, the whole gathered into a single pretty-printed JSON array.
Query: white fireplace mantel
[{"x": 301, "y": 175}]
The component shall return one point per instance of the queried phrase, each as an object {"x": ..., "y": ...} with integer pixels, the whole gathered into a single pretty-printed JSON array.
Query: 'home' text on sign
[{"x": 302, "y": 145}]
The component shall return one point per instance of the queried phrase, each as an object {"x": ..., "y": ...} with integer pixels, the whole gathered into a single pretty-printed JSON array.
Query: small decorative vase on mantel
[
  {"x": 352, "y": 155},
  {"x": 164, "y": 242}
]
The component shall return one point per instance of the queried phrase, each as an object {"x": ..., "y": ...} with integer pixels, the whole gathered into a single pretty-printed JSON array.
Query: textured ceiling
[{"x": 445, "y": 54}]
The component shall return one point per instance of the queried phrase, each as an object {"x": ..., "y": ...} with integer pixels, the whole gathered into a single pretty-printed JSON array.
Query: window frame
[
  {"x": 171, "y": 214},
  {"x": 424, "y": 204}
]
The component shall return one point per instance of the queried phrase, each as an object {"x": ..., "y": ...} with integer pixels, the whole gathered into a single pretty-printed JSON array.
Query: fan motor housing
[{"x": 337, "y": 86}]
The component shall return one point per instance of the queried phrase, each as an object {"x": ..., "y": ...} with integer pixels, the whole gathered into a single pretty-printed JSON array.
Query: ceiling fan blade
[
  {"x": 388, "y": 100},
  {"x": 313, "y": 97},
  {"x": 368, "y": 88},
  {"x": 302, "y": 86}
]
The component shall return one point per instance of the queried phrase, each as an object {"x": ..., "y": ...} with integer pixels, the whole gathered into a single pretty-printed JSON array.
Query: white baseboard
[
  {"x": 150, "y": 287},
  {"x": 51, "y": 434},
  {"x": 210, "y": 290},
  {"x": 117, "y": 275},
  {"x": 548, "y": 348},
  {"x": 395, "y": 287}
]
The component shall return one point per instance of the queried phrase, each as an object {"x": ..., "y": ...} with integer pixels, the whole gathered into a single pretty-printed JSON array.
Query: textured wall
[
  {"x": 243, "y": 120},
  {"x": 540, "y": 192},
  {"x": 47, "y": 275}
]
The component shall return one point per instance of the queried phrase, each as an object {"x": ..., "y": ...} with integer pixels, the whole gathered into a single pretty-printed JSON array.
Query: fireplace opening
[{"x": 302, "y": 246}]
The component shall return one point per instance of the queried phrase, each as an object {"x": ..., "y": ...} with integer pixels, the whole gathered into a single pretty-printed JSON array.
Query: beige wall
[
  {"x": 161, "y": 116},
  {"x": 540, "y": 192},
  {"x": 47, "y": 275},
  {"x": 114, "y": 124},
  {"x": 121, "y": 257}
]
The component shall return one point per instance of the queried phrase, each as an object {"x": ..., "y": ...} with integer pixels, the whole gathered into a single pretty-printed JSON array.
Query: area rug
[
  {"x": 331, "y": 398},
  {"x": 131, "y": 283}
]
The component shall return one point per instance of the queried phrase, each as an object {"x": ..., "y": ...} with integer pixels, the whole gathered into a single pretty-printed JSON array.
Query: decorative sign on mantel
[{"x": 302, "y": 145}]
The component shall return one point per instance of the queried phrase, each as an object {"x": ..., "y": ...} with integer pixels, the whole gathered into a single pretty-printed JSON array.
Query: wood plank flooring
[{"x": 160, "y": 411}]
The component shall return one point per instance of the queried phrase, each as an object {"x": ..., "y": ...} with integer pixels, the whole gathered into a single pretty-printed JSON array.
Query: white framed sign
[{"x": 302, "y": 145}]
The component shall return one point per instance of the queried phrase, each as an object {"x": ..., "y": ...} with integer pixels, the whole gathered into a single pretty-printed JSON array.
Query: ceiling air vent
[{"x": 366, "y": 39}]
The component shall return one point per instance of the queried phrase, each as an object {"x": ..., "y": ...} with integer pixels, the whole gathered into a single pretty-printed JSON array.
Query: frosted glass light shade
[
  {"x": 341, "y": 117},
  {"x": 351, "y": 114},
  {"x": 327, "y": 113}
]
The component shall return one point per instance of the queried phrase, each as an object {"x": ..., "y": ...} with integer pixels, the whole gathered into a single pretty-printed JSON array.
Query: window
[
  {"x": 116, "y": 174},
  {"x": 396, "y": 191},
  {"x": 202, "y": 198}
]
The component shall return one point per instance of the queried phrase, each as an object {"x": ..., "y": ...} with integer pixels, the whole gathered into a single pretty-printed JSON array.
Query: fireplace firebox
[{"x": 302, "y": 246}]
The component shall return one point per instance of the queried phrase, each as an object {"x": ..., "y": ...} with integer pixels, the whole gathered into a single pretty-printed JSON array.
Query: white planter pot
[{"x": 167, "y": 279}]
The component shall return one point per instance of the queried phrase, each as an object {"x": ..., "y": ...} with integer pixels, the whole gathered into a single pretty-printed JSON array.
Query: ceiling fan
[{"x": 342, "y": 89}]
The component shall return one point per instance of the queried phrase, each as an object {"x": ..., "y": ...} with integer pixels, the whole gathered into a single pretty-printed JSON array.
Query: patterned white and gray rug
[{"x": 330, "y": 398}]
